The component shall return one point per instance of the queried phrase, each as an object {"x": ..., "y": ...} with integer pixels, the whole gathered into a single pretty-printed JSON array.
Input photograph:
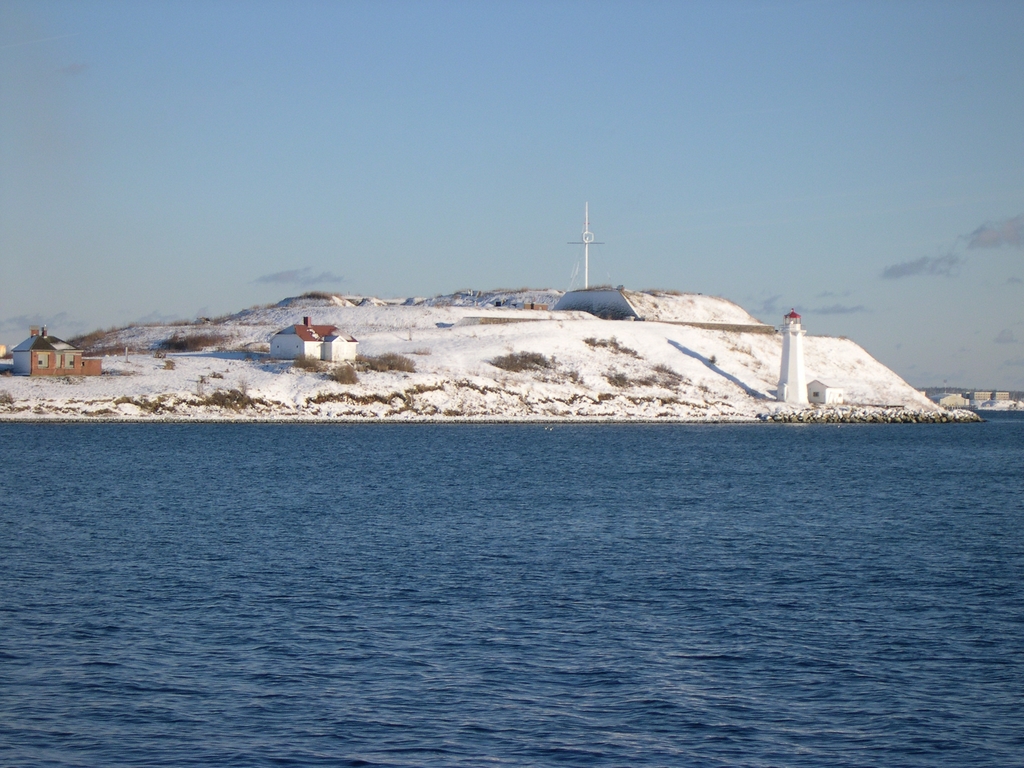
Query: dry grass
[
  {"x": 168, "y": 365},
  {"x": 307, "y": 363},
  {"x": 194, "y": 342},
  {"x": 662, "y": 376},
  {"x": 522, "y": 361},
  {"x": 232, "y": 399},
  {"x": 389, "y": 361},
  {"x": 612, "y": 344},
  {"x": 6, "y": 398},
  {"x": 343, "y": 374},
  {"x": 318, "y": 295}
]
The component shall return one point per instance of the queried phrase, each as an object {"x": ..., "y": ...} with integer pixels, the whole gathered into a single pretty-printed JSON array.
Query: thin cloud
[
  {"x": 73, "y": 69},
  {"x": 1014, "y": 280},
  {"x": 768, "y": 306},
  {"x": 1006, "y": 337},
  {"x": 995, "y": 234},
  {"x": 1019, "y": 361},
  {"x": 840, "y": 309},
  {"x": 21, "y": 323},
  {"x": 927, "y": 265},
  {"x": 302, "y": 277},
  {"x": 832, "y": 295}
]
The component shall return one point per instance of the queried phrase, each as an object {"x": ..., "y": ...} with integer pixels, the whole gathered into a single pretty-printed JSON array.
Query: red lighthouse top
[{"x": 792, "y": 315}]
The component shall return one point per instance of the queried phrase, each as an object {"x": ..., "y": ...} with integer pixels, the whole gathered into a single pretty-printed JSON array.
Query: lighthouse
[{"x": 792, "y": 380}]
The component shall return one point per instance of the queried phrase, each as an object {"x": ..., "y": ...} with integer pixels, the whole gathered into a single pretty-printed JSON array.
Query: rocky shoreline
[{"x": 871, "y": 416}]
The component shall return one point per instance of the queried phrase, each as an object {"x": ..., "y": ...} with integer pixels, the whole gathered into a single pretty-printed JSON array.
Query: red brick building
[{"x": 44, "y": 355}]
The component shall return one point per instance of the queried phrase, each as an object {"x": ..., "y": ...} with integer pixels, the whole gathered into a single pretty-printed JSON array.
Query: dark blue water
[{"x": 584, "y": 595}]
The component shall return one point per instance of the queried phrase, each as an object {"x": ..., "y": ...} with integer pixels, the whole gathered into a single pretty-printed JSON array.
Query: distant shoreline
[{"x": 873, "y": 416}]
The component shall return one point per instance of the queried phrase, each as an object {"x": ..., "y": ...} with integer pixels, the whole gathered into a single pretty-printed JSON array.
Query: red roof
[
  {"x": 792, "y": 315},
  {"x": 314, "y": 332}
]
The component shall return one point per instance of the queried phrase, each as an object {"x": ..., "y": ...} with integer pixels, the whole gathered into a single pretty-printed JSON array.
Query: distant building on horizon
[{"x": 950, "y": 400}]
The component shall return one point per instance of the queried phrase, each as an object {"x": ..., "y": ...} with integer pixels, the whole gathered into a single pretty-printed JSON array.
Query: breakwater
[{"x": 897, "y": 415}]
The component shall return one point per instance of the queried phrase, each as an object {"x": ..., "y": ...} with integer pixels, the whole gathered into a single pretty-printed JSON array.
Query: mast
[{"x": 586, "y": 242}]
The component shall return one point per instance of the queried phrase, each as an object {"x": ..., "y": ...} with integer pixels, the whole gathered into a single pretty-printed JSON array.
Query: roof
[
  {"x": 309, "y": 332},
  {"x": 44, "y": 343},
  {"x": 822, "y": 384},
  {"x": 792, "y": 315},
  {"x": 341, "y": 336}
]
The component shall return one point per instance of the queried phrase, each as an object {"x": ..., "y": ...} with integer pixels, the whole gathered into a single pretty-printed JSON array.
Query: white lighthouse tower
[{"x": 792, "y": 380}]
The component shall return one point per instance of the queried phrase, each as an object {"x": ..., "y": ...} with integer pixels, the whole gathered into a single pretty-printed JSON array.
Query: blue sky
[{"x": 859, "y": 161}]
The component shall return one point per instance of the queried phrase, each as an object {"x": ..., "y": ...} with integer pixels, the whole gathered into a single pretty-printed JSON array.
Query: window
[{"x": 42, "y": 360}]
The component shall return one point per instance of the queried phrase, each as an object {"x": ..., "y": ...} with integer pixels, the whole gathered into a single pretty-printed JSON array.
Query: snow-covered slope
[{"x": 581, "y": 367}]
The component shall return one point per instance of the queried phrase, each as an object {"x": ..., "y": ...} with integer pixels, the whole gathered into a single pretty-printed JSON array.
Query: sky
[{"x": 861, "y": 162}]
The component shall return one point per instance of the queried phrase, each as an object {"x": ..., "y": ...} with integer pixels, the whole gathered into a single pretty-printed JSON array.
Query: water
[{"x": 584, "y": 595}]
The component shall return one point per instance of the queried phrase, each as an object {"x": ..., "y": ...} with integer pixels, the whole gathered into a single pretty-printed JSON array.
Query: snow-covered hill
[{"x": 558, "y": 365}]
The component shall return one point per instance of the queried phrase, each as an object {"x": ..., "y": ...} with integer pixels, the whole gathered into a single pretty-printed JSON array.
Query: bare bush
[
  {"x": 194, "y": 342},
  {"x": 232, "y": 399},
  {"x": 343, "y": 374},
  {"x": 307, "y": 363},
  {"x": 522, "y": 361},
  {"x": 168, "y": 365},
  {"x": 6, "y": 398},
  {"x": 618, "y": 379},
  {"x": 667, "y": 377},
  {"x": 389, "y": 361},
  {"x": 612, "y": 344}
]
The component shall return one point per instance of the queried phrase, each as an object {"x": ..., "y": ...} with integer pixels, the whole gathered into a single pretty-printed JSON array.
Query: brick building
[{"x": 44, "y": 355}]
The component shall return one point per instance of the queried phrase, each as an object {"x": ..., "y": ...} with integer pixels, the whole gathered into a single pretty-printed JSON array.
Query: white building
[
  {"x": 323, "y": 342},
  {"x": 792, "y": 379},
  {"x": 950, "y": 400},
  {"x": 820, "y": 392}
]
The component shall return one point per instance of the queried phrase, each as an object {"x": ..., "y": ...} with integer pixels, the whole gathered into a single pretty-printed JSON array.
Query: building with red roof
[{"x": 323, "y": 342}]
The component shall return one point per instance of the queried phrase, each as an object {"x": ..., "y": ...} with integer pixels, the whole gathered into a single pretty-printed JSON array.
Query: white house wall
[
  {"x": 288, "y": 346},
  {"x": 338, "y": 350},
  {"x": 22, "y": 363}
]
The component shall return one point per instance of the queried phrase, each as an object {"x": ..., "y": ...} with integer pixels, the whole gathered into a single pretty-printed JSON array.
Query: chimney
[
  {"x": 306, "y": 321},
  {"x": 43, "y": 334},
  {"x": 33, "y": 330}
]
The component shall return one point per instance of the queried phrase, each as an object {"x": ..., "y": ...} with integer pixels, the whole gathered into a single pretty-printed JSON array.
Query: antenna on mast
[{"x": 586, "y": 242}]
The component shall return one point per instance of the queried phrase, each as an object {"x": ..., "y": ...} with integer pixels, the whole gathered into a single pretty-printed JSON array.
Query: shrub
[
  {"x": 389, "y": 361},
  {"x": 666, "y": 376},
  {"x": 343, "y": 374},
  {"x": 522, "y": 361},
  {"x": 168, "y": 365},
  {"x": 6, "y": 398},
  {"x": 192, "y": 342},
  {"x": 307, "y": 363},
  {"x": 612, "y": 344},
  {"x": 232, "y": 399},
  {"x": 618, "y": 379}
]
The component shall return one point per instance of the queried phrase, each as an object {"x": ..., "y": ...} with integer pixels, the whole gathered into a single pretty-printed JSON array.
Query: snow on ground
[{"x": 584, "y": 368}]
